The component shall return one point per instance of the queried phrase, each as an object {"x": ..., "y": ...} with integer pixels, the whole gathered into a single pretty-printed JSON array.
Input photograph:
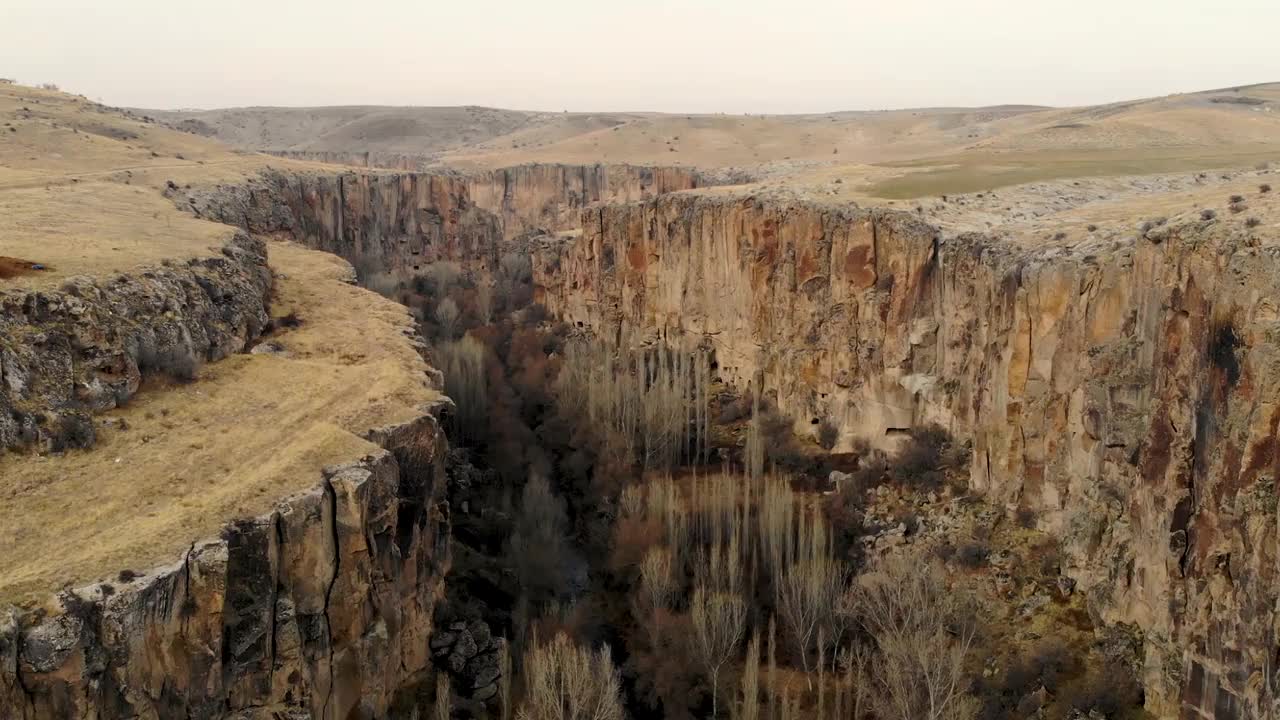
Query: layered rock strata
[
  {"x": 320, "y": 609},
  {"x": 1124, "y": 391},
  {"x": 399, "y": 223}
]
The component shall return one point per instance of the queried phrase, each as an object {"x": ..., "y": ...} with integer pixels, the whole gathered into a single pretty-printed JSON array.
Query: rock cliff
[
  {"x": 82, "y": 348},
  {"x": 398, "y": 223},
  {"x": 320, "y": 609},
  {"x": 1122, "y": 390}
]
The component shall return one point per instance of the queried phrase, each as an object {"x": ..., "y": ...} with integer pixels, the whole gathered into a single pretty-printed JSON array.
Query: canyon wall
[
  {"x": 320, "y": 609},
  {"x": 400, "y": 222},
  {"x": 78, "y": 349},
  {"x": 1124, "y": 391}
]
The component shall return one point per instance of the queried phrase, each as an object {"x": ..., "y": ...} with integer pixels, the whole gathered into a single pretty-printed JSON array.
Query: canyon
[
  {"x": 1072, "y": 370},
  {"x": 1116, "y": 381}
]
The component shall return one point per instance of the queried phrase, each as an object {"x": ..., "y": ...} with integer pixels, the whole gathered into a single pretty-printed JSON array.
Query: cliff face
[
  {"x": 320, "y": 609},
  {"x": 399, "y": 223},
  {"x": 76, "y": 350},
  {"x": 1121, "y": 390}
]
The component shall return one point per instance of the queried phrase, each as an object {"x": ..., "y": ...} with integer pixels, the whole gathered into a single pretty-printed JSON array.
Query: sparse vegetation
[
  {"x": 564, "y": 681},
  {"x": 828, "y": 434},
  {"x": 178, "y": 362},
  {"x": 74, "y": 431}
]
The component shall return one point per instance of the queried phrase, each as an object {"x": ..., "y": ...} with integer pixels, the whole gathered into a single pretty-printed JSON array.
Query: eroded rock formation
[
  {"x": 1124, "y": 391},
  {"x": 320, "y": 609},
  {"x": 77, "y": 349},
  {"x": 399, "y": 223}
]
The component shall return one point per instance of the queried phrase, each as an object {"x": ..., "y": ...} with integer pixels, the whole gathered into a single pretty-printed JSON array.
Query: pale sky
[{"x": 667, "y": 55}]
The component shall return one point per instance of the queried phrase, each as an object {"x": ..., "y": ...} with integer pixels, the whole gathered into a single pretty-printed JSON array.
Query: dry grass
[
  {"x": 250, "y": 431},
  {"x": 80, "y": 187},
  {"x": 99, "y": 229}
]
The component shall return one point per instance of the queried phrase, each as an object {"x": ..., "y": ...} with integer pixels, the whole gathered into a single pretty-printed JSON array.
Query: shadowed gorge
[{"x": 348, "y": 431}]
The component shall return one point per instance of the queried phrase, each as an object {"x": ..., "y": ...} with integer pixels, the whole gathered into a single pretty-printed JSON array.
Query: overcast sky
[{"x": 669, "y": 55}]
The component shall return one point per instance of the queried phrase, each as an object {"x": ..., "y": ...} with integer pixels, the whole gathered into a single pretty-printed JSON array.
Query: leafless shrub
[
  {"x": 1238, "y": 207},
  {"x": 48, "y": 86},
  {"x": 74, "y": 430},
  {"x": 1208, "y": 214},
  {"x": 924, "y": 459},
  {"x": 179, "y": 362},
  {"x": 973, "y": 554},
  {"x": 923, "y": 631},
  {"x": 1252, "y": 222},
  {"x": 566, "y": 682},
  {"x": 383, "y": 283},
  {"x": 718, "y": 622},
  {"x": 828, "y": 434},
  {"x": 734, "y": 410},
  {"x": 1236, "y": 199},
  {"x": 1264, "y": 188}
]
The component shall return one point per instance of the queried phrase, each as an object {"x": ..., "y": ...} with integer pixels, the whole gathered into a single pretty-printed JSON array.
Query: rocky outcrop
[
  {"x": 472, "y": 656},
  {"x": 544, "y": 198},
  {"x": 1124, "y": 391},
  {"x": 320, "y": 609},
  {"x": 83, "y": 348},
  {"x": 400, "y": 223}
]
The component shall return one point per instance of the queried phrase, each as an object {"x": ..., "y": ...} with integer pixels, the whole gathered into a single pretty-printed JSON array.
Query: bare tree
[
  {"x": 441, "y": 276},
  {"x": 751, "y": 680},
  {"x": 657, "y": 588},
  {"x": 504, "y": 679},
  {"x": 564, "y": 681},
  {"x": 484, "y": 302},
  {"x": 718, "y": 622},
  {"x": 855, "y": 661},
  {"x": 773, "y": 669},
  {"x": 447, "y": 316},
  {"x": 807, "y": 593},
  {"x": 443, "y": 701},
  {"x": 515, "y": 272},
  {"x": 754, "y": 451},
  {"x": 644, "y": 402},
  {"x": 537, "y": 546},
  {"x": 923, "y": 630},
  {"x": 463, "y": 365}
]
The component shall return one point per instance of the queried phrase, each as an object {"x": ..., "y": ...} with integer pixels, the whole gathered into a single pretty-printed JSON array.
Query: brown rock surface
[
  {"x": 321, "y": 608},
  {"x": 1123, "y": 389}
]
